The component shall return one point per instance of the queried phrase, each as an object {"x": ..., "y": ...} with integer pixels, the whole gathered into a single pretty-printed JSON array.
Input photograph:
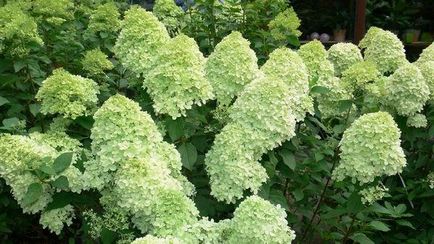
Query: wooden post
[{"x": 360, "y": 23}]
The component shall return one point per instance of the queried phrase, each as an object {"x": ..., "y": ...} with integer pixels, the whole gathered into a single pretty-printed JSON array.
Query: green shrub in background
[{"x": 117, "y": 129}]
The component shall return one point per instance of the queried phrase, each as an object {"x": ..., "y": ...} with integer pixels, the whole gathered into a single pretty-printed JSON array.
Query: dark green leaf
[
  {"x": 345, "y": 105},
  {"x": 288, "y": 158},
  {"x": 34, "y": 108},
  {"x": 293, "y": 40},
  {"x": 276, "y": 196},
  {"x": 319, "y": 90},
  {"x": 34, "y": 191},
  {"x": 62, "y": 162},
  {"x": 108, "y": 236},
  {"x": 175, "y": 129},
  {"x": 61, "y": 183},
  {"x": 188, "y": 155},
  {"x": 378, "y": 225},
  {"x": 11, "y": 122},
  {"x": 3, "y": 101},
  {"x": 298, "y": 194},
  {"x": 403, "y": 222},
  {"x": 361, "y": 238}
]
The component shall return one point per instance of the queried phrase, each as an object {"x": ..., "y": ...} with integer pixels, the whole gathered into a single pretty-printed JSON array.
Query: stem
[
  {"x": 348, "y": 230},
  {"x": 320, "y": 201},
  {"x": 405, "y": 188}
]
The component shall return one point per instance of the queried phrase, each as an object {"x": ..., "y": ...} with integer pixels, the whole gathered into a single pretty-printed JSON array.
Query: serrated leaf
[
  {"x": 61, "y": 183},
  {"x": 378, "y": 225},
  {"x": 188, "y": 155},
  {"x": 34, "y": 191},
  {"x": 361, "y": 238},
  {"x": 3, "y": 101},
  {"x": 62, "y": 162},
  {"x": 288, "y": 158},
  {"x": 319, "y": 90}
]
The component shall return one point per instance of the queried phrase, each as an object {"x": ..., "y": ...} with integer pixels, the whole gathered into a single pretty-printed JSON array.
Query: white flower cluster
[
  {"x": 370, "y": 148},
  {"x": 95, "y": 62},
  {"x": 169, "y": 14},
  {"x": 140, "y": 40},
  {"x": 136, "y": 170},
  {"x": 69, "y": 95},
  {"x": 315, "y": 58},
  {"x": 230, "y": 67},
  {"x": 177, "y": 81},
  {"x": 55, "y": 219},
  {"x": 417, "y": 121},
  {"x": 359, "y": 75},
  {"x": 384, "y": 49},
  {"x": 372, "y": 194},
  {"x": 343, "y": 55},
  {"x": 255, "y": 221},
  {"x": 287, "y": 66}
]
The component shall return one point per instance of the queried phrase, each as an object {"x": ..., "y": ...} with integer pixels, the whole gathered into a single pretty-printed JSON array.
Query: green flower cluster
[
  {"x": 329, "y": 103},
  {"x": 104, "y": 19},
  {"x": 169, "y": 14},
  {"x": 55, "y": 219},
  {"x": 285, "y": 24},
  {"x": 69, "y": 95},
  {"x": 315, "y": 58},
  {"x": 427, "y": 54},
  {"x": 230, "y": 67},
  {"x": 261, "y": 119},
  {"x": 140, "y": 40},
  {"x": 384, "y": 49},
  {"x": 407, "y": 91},
  {"x": 255, "y": 221},
  {"x": 417, "y": 121},
  {"x": 287, "y": 66},
  {"x": 258, "y": 221},
  {"x": 425, "y": 63},
  {"x": 95, "y": 62},
  {"x": 343, "y": 55},
  {"x": 177, "y": 80},
  {"x": 370, "y": 148},
  {"x": 359, "y": 75},
  {"x": 55, "y": 12},
  {"x": 372, "y": 194},
  {"x": 18, "y": 31},
  {"x": 136, "y": 170}
]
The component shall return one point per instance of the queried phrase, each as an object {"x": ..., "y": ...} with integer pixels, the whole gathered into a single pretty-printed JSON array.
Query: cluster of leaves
[{"x": 334, "y": 145}]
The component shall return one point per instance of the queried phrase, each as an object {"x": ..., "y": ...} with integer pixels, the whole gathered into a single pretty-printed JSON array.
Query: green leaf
[
  {"x": 298, "y": 194},
  {"x": 188, "y": 155},
  {"x": 3, "y": 101},
  {"x": 345, "y": 105},
  {"x": 61, "y": 183},
  {"x": 175, "y": 129},
  {"x": 403, "y": 222},
  {"x": 47, "y": 169},
  {"x": 319, "y": 90},
  {"x": 10, "y": 122},
  {"x": 34, "y": 108},
  {"x": 361, "y": 238},
  {"x": 62, "y": 162},
  {"x": 293, "y": 40},
  {"x": 108, "y": 236},
  {"x": 354, "y": 204},
  {"x": 378, "y": 225},
  {"x": 276, "y": 196},
  {"x": 288, "y": 158},
  {"x": 34, "y": 191}
]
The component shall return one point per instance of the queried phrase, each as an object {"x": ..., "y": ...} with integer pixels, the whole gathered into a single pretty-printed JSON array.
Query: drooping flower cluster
[
  {"x": 285, "y": 24},
  {"x": 140, "y": 40},
  {"x": 406, "y": 90},
  {"x": 18, "y": 31},
  {"x": 169, "y": 14},
  {"x": 104, "y": 19},
  {"x": 69, "y": 95},
  {"x": 372, "y": 194},
  {"x": 261, "y": 119},
  {"x": 287, "y": 66},
  {"x": 95, "y": 62},
  {"x": 314, "y": 56},
  {"x": 370, "y": 148},
  {"x": 230, "y": 67},
  {"x": 56, "y": 219},
  {"x": 139, "y": 169},
  {"x": 177, "y": 80},
  {"x": 343, "y": 55},
  {"x": 384, "y": 49}
]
